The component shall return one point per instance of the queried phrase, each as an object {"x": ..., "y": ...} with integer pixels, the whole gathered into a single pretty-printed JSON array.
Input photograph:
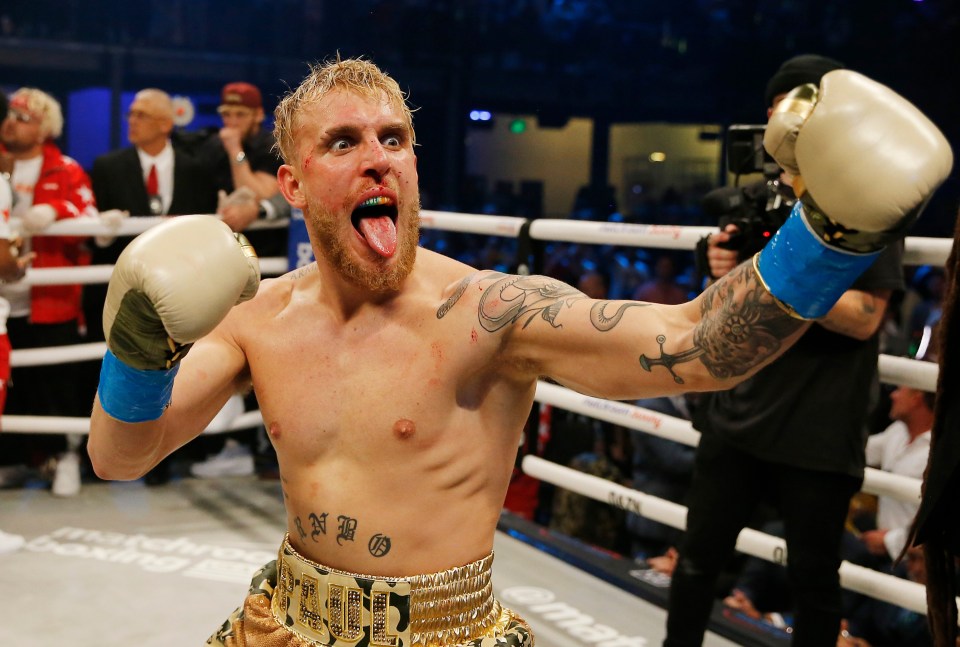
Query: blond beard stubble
[{"x": 379, "y": 279}]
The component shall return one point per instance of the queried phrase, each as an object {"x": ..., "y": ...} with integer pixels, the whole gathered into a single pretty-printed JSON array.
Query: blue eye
[
  {"x": 392, "y": 141},
  {"x": 340, "y": 145}
]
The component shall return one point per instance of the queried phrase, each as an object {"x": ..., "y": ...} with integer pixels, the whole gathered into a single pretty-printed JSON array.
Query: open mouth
[{"x": 376, "y": 220}]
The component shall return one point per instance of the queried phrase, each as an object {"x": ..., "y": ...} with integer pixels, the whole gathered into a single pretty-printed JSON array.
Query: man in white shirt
[{"x": 902, "y": 448}]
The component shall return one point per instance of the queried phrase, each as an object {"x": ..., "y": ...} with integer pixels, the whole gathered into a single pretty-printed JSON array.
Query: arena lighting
[
  {"x": 658, "y": 156},
  {"x": 518, "y": 126},
  {"x": 480, "y": 115}
]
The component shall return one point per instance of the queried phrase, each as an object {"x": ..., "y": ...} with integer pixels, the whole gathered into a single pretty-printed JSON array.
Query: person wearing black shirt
[{"x": 792, "y": 435}]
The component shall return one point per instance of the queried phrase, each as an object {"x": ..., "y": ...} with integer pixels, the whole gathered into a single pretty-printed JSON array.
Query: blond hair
[
  {"x": 46, "y": 107},
  {"x": 353, "y": 75}
]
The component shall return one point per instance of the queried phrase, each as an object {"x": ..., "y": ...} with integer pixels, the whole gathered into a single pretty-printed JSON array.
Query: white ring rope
[
  {"x": 619, "y": 233},
  {"x": 888, "y": 588},
  {"x": 896, "y": 486},
  {"x": 908, "y": 372},
  {"x": 92, "y": 226},
  {"x": 917, "y": 250},
  {"x": 271, "y": 266},
  {"x": 472, "y": 223},
  {"x": 77, "y": 425}
]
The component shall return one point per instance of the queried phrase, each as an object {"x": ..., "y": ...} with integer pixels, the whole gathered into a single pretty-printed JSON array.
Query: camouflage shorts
[{"x": 303, "y": 604}]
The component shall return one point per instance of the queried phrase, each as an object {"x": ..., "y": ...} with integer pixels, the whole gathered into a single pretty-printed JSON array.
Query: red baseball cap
[{"x": 241, "y": 94}]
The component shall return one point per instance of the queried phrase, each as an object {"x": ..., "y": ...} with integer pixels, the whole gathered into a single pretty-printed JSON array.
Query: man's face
[
  {"x": 356, "y": 179},
  {"x": 146, "y": 123},
  {"x": 903, "y": 400},
  {"x": 20, "y": 131},
  {"x": 246, "y": 120}
]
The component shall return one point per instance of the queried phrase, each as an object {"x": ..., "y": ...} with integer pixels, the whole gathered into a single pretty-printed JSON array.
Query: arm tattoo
[
  {"x": 461, "y": 288},
  {"x": 301, "y": 272},
  {"x": 741, "y": 326},
  {"x": 868, "y": 304},
  {"x": 515, "y": 297},
  {"x": 530, "y": 295},
  {"x": 602, "y": 322}
]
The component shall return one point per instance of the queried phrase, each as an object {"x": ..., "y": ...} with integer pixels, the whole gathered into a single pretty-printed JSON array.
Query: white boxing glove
[
  {"x": 177, "y": 280},
  {"x": 866, "y": 158},
  {"x": 171, "y": 286},
  {"x": 37, "y": 219},
  {"x": 865, "y": 162}
]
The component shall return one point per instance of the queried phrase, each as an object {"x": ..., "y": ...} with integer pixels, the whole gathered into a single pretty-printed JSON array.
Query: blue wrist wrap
[
  {"x": 133, "y": 395},
  {"x": 805, "y": 273}
]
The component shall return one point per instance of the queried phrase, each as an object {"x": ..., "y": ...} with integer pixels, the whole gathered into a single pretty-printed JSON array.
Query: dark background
[{"x": 689, "y": 61}]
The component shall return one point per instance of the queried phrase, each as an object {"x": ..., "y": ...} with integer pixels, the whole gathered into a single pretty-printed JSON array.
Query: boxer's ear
[{"x": 290, "y": 186}]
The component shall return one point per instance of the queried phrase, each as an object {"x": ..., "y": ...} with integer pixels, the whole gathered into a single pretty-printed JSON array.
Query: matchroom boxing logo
[
  {"x": 531, "y": 601},
  {"x": 154, "y": 554}
]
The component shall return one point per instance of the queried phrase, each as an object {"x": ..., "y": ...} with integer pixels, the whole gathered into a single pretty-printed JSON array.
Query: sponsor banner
[{"x": 178, "y": 555}]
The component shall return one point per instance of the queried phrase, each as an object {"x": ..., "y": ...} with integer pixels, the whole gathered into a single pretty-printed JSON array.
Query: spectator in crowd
[
  {"x": 148, "y": 178},
  {"x": 48, "y": 186},
  {"x": 242, "y": 158},
  {"x": 12, "y": 267},
  {"x": 663, "y": 286},
  {"x": 793, "y": 435},
  {"x": 581, "y": 517},
  {"x": 902, "y": 448},
  {"x": 661, "y": 468},
  {"x": 875, "y": 623}
]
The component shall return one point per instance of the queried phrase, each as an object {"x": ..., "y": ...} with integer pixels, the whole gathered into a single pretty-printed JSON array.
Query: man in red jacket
[{"x": 48, "y": 186}]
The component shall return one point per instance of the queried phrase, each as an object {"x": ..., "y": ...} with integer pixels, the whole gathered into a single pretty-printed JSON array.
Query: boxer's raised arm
[
  {"x": 866, "y": 162},
  {"x": 170, "y": 287}
]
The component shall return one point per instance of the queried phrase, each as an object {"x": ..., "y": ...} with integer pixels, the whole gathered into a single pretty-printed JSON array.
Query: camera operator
[
  {"x": 747, "y": 216},
  {"x": 793, "y": 435}
]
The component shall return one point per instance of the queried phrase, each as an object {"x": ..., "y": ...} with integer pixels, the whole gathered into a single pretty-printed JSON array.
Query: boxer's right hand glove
[
  {"x": 865, "y": 162},
  {"x": 171, "y": 286}
]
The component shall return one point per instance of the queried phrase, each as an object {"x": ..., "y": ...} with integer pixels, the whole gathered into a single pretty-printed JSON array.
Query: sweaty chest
[{"x": 389, "y": 385}]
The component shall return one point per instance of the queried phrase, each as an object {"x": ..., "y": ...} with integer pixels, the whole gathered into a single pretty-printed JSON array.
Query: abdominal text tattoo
[{"x": 378, "y": 545}]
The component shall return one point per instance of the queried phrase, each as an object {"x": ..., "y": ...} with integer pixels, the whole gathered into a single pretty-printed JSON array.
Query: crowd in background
[{"x": 655, "y": 466}]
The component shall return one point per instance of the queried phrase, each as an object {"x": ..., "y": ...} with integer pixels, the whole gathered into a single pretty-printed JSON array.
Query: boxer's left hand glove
[
  {"x": 171, "y": 286},
  {"x": 865, "y": 162}
]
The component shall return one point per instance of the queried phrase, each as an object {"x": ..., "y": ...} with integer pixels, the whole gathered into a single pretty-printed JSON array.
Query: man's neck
[
  {"x": 27, "y": 154},
  {"x": 154, "y": 148},
  {"x": 919, "y": 424}
]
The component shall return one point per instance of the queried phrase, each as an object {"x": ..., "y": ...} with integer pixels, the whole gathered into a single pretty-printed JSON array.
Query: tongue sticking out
[{"x": 381, "y": 234}]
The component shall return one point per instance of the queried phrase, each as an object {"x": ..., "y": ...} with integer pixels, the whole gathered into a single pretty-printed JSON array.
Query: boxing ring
[{"x": 575, "y": 609}]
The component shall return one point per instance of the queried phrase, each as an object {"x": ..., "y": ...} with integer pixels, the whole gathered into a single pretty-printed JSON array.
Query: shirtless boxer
[{"x": 394, "y": 382}]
